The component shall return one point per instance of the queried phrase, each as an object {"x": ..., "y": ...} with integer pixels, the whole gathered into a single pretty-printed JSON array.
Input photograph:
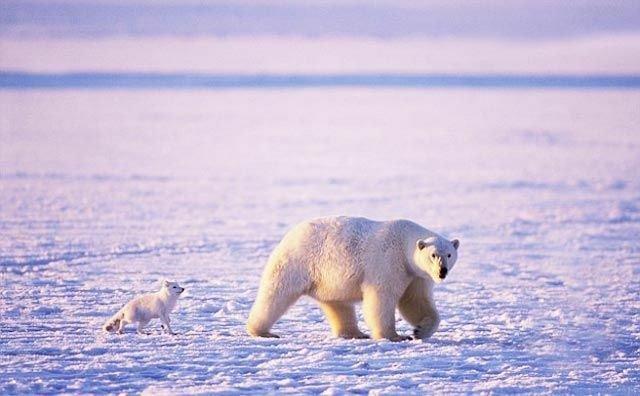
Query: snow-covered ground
[
  {"x": 592, "y": 54},
  {"x": 104, "y": 193}
]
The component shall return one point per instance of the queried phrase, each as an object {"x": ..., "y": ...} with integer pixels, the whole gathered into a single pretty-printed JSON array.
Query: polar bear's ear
[
  {"x": 421, "y": 244},
  {"x": 455, "y": 243},
  {"x": 165, "y": 283}
]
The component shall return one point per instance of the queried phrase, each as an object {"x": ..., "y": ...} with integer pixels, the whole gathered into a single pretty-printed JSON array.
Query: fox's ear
[
  {"x": 165, "y": 283},
  {"x": 455, "y": 243}
]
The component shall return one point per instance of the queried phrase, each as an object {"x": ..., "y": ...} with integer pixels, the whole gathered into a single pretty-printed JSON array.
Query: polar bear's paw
[
  {"x": 418, "y": 332},
  {"x": 424, "y": 331},
  {"x": 266, "y": 335},
  {"x": 399, "y": 338},
  {"x": 354, "y": 335}
]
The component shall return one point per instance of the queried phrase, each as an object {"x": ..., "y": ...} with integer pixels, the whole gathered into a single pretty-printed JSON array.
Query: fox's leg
[
  {"x": 165, "y": 324},
  {"x": 141, "y": 325}
]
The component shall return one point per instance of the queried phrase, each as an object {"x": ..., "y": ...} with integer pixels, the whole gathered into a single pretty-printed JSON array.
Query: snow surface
[
  {"x": 604, "y": 53},
  {"x": 104, "y": 193}
]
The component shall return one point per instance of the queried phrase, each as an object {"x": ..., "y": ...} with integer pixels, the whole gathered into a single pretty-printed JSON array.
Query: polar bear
[{"x": 339, "y": 261}]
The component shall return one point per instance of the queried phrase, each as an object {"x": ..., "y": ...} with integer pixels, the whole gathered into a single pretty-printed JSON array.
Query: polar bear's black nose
[{"x": 443, "y": 272}]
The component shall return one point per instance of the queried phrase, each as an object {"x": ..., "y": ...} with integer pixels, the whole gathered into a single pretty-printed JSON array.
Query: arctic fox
[{"x": 144, "y": 308}]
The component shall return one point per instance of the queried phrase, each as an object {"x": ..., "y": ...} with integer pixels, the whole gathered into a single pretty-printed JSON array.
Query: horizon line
[{"x": 187, "y": 80}]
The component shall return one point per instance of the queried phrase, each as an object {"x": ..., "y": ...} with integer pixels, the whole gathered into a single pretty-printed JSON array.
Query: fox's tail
[{"x": 114, "y": 322}]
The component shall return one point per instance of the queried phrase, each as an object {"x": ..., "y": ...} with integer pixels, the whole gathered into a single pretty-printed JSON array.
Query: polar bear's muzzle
[{"x": 443, "y": 272}]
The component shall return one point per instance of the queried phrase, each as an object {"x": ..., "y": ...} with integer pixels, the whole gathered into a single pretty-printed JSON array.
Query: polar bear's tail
[{"x": 114, "y": 322}]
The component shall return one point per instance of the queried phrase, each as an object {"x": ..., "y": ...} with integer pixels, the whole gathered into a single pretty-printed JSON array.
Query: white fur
[
  {"x": 144, "y": 308},
  {"x": 342, "y": 260}
]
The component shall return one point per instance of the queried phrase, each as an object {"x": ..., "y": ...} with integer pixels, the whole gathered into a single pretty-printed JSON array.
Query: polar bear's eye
[
  {"x": 449, "y": 255},
  {"x": 433, "y": 255}
]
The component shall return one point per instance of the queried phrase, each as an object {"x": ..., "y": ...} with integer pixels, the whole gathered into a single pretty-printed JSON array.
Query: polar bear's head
[{"x": 436, "y": 256}]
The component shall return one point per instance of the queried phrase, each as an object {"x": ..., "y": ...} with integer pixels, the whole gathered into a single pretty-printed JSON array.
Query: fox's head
[{"x": 172, "y": 287}]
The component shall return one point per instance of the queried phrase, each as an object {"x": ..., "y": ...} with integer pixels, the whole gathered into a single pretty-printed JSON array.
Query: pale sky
[
  {"x": 517, "y": 19},
  {"x": 318, "y": 36}
]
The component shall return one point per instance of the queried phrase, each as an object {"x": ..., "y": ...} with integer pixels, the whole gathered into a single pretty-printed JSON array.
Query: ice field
[{"x": 103, "y": 193}]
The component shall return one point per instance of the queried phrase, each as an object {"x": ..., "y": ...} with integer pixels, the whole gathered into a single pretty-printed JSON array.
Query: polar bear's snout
[
  {"x": 440, "y": 262},
  {"x": 443, "y": 272}
]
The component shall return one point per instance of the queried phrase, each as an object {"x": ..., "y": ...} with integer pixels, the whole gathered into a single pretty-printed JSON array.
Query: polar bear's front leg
[
  {"x": 123, "y": 323},
  {"x": 427, "y": 326},
  {"x": 342, "y": 319},
  {"x": 379, "y": 308},
  {"x": 417, "y": 307}
]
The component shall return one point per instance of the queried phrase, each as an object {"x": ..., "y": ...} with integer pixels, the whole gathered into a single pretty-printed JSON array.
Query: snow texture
[
  {"x": 104, "y": 193},
  {"x": 604, "y": 53}
]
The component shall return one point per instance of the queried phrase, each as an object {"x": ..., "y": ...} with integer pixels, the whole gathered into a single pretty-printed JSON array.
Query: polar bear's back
[
  {"x": 340, "y": 239},
  {"x": 345, "y": 239}
]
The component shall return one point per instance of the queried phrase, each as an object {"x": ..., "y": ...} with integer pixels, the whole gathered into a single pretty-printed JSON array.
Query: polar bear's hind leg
[{"x": 268, "y": 308}]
